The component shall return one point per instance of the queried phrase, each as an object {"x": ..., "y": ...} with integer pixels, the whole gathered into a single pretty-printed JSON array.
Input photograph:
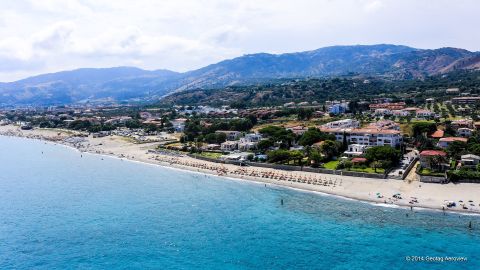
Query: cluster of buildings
[
  {"x": 381, "y": 133},
  {"x": 237, "y": 141},
  {"x": 399, "y": 109},
  {"x": 437, "y": 159},
  {"x": 207, "y": 110}
]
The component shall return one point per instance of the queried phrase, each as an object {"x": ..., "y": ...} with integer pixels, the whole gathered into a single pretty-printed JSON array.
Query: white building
[
  {"x": 383, "y": 112},
  {"x": 179, "y": 124},
  {"x": 424, "y": 114},
  {"x": 470, "y": 160},
  {"x": 118, "y": 120},
  {"x": 367, "y": 136},
  {"x": 445, "y": 142},
  {"x": 345, "y": 123},
  {"x": 253, "y": 137},
  {"x": 229, "y": 146},
  {"x": 355, "y": 150},
  {"x": 231, "y": 135},
  {"x": 400, "y": 113},
  {"x": 244, "y": 145},
  {"x": 464, "y": 132}
]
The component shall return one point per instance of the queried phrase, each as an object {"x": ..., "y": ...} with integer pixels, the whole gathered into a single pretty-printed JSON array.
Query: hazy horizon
[{"x": 50, "y": 36}]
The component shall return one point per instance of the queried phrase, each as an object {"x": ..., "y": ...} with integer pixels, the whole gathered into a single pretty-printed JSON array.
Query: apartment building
[
  {"x": 366, "y": 136},
  {"x": 345, "y": 123},
  {"x": 465, "y": 100}
]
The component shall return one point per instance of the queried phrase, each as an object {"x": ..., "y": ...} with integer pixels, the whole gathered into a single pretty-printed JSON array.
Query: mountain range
[{"x": 128, "y": 84}]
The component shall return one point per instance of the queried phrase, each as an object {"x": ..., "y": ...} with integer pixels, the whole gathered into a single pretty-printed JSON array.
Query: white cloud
[
  {"x": 51, "y": 35},
  {"x": 373, "y": 6}
]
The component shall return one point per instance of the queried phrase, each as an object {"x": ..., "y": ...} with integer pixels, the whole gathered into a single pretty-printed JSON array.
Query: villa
[
  {"x": 366, "y": 136},
  {"x": 470, "y": 160},
  {"x": 445, "y": 142},
  {"x": 229, "y": 146},
  {"x": 355, "y": 150},
  {"x": 465, "y": 123},
  {"x": 179, "y": 124},
  {"x": 464, "y": 132},
  {"x": 253, "y": 137},
  {"x": 427, "y": 157},
  {"x": 231, "y": 135}
]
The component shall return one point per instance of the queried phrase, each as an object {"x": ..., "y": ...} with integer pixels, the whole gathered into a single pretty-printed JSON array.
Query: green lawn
[
  {"x": 331, "y": 165},
  {"x": 211, "y": 154},
  {"x": 428, "y": 172},
  {"x": 367, "y": 170}
]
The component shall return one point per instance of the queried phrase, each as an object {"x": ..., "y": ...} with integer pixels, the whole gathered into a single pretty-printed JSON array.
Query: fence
[
  {"x": 433, "y": 179},
  {"x": 429, "y": 178},
  {"x": 409, "y": 168}
]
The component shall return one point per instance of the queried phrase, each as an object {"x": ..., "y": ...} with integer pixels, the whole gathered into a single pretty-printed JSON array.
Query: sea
[{"x": 63, "y": 209}]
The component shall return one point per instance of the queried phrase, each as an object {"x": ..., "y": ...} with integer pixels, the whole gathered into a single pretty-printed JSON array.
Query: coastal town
[
  {"x": 435, "y": 143},
  {"x": 250, "y": 135}
]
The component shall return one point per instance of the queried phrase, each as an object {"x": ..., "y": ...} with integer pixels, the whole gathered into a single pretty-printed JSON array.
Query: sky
[{"x": 40, "y": 36}]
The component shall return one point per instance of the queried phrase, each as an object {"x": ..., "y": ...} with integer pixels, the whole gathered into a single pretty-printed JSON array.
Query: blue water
[{"x": 59, "y": 210}]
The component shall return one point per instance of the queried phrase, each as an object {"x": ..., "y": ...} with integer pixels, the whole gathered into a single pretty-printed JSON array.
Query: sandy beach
[{"x": 425, "y": 195}]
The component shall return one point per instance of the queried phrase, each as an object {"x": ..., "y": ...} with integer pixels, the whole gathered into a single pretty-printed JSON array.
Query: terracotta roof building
[
  {"x": 437, "y": 134},
  {"x": 445, "y": 142}
]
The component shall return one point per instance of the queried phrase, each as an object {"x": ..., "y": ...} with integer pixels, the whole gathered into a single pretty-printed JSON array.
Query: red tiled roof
[
  {"x": 411, "y": 109},
  {"x": 438, "y": 134},
  {"x": 433, "y": 153},
  {"x": 359, "y": 160},
  {"x": 453, "y": 139}
]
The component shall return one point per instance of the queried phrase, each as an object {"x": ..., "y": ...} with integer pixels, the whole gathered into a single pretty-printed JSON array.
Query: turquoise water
[{"x": 59, "y": 210}]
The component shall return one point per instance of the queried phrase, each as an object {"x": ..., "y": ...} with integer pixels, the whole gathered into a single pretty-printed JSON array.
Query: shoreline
[{"x": 131, "y": 152}]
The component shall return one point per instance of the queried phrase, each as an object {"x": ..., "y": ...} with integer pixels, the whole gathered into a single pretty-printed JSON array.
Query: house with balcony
[
  {"x": 366, "y": 136},
  {"x": 355, "y": 150},
  {"x": 229, "y": 146}
]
